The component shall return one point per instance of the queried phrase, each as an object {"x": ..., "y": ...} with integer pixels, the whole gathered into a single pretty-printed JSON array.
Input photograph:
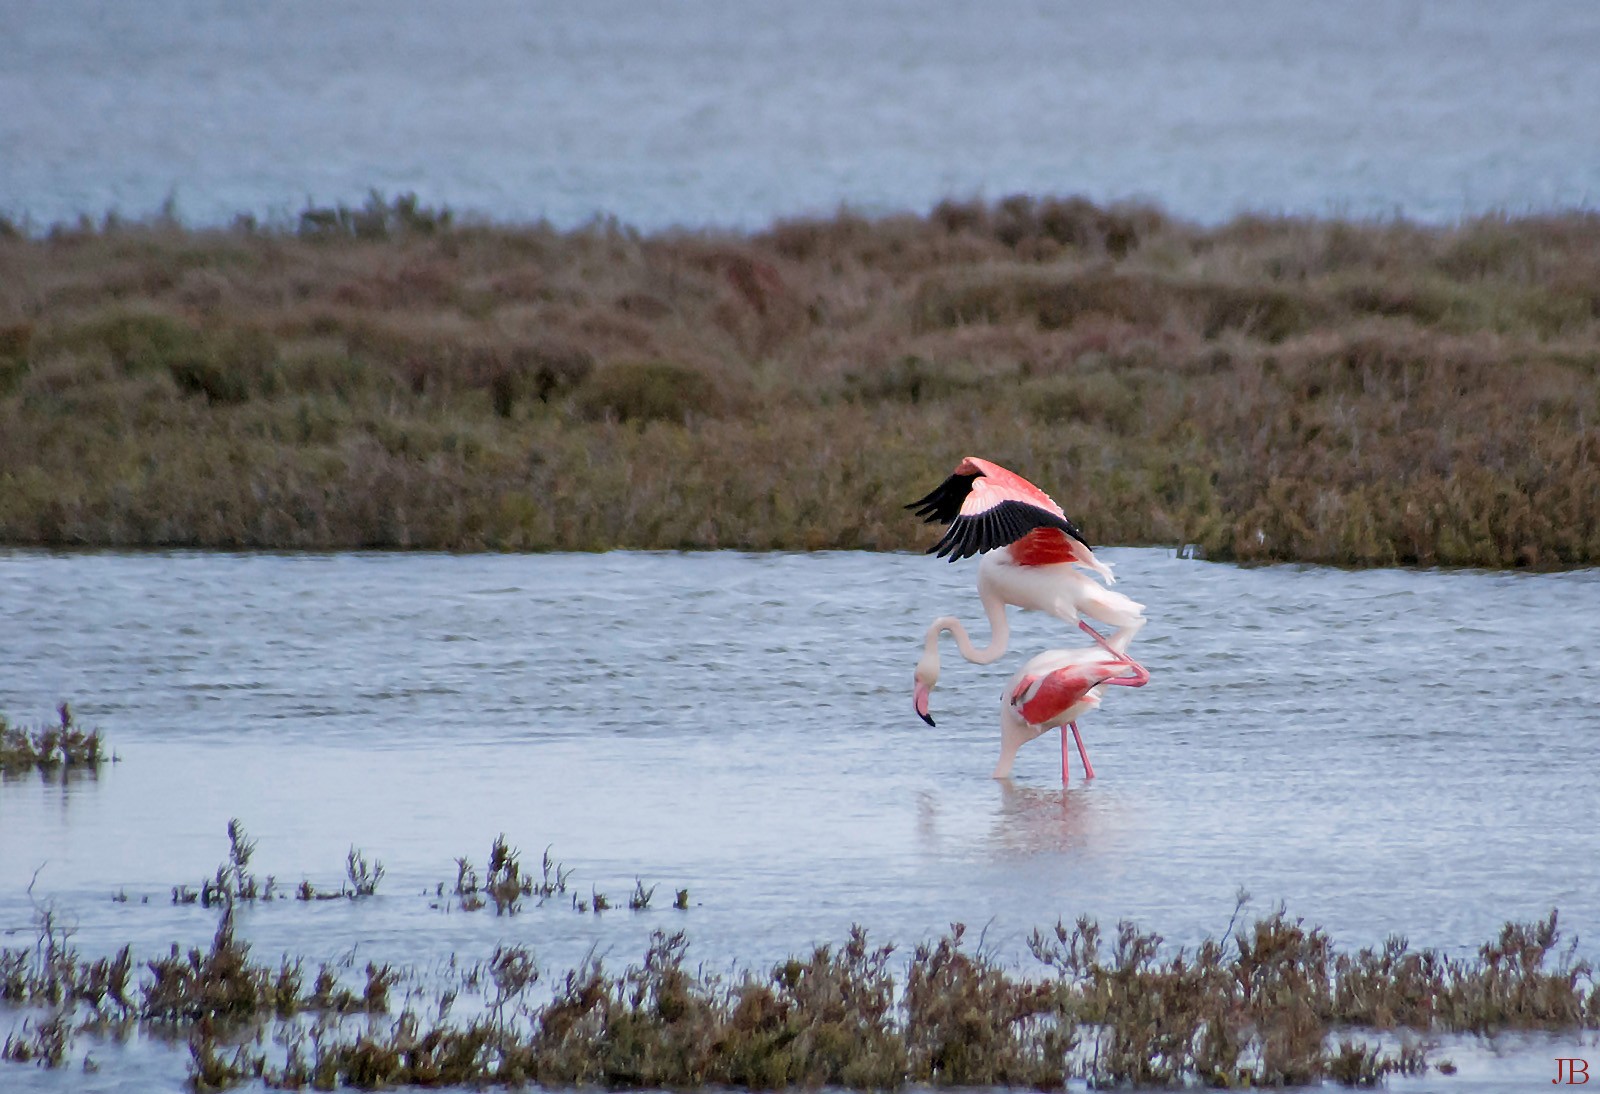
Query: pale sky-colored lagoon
[{"x": 731, "y": 113}]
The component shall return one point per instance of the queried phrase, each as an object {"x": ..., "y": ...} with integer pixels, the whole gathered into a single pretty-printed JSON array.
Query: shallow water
[
  {"x": 732, "y": 113},
  {"x": 1382, "y": 751}
]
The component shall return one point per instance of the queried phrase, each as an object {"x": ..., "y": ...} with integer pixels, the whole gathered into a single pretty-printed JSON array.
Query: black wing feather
[
  {"x": 999, "y": 527},
  {"x": 1014, "y": 528},
  {"x": 943, "y": 505}
]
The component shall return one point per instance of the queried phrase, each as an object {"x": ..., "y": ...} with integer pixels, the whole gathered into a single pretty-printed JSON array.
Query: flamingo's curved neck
[{"x": 999, "y": 633}]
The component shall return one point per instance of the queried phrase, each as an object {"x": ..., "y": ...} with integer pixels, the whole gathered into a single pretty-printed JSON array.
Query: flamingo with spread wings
[{"x": 1033, "y": 557}]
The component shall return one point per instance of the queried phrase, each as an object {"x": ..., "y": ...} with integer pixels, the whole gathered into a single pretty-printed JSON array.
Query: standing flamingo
[
  {"x": 1055, "y": 689},
  {"x": 1032, "y": 555}
]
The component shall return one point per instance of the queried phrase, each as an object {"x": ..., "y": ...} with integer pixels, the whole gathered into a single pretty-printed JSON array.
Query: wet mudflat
[{"x": 1381, "y": 751}]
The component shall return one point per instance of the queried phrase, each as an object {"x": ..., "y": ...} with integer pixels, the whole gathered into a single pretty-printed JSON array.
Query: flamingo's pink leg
[
  {"x": 1141, "y": 675},
  {"x": 1066, "y": 773},
  {"x": 1088, "y": 768}
]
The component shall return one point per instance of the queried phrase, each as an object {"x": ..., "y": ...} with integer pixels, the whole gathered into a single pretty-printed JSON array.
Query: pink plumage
[{"x": 988, "y": 507}]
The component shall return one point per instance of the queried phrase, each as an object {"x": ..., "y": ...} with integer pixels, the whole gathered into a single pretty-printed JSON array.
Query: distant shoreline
[
  {"x": 392, "y": 376},
  {"x": 294, "y": 218},
  {"x": 311, "y": 216}
]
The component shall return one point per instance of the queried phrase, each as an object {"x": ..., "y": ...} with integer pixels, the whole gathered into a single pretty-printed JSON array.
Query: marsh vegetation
[
  {"x": 60, "y": 749},
  {"x": 388, "y": 376},
  {"x": 1272, "y": 1003}
]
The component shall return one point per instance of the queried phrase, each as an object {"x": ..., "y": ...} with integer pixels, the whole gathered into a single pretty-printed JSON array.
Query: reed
[{"x": 1363, "y": 393}]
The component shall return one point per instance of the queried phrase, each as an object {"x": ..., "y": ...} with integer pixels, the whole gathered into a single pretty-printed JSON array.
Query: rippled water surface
[
  {"x": 1382, "y": 751},
  {"x": 727, "y": 112}
]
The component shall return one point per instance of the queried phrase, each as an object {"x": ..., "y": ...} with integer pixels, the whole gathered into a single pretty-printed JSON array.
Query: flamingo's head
[{"x": 927, "y": 675}]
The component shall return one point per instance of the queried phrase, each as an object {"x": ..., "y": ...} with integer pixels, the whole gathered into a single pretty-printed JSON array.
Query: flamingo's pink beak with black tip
[{"x": 919, "y": 700}]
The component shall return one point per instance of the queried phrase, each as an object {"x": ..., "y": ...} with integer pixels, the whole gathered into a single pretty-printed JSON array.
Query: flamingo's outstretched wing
[{"x": 987, "y": 506}]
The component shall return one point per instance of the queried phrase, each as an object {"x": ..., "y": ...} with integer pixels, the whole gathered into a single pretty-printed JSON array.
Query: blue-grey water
[
  {"x": 1381, "y": 751},
  {"x": 733, "y": 113}
]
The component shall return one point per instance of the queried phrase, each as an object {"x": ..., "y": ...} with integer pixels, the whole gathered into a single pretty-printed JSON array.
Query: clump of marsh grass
[
  {"x": 211, "y": 1068},
  {"x": 968, "y": 1023},
  {"x": 361, "y": 876},
  {"x": 53, "y": 974},
  {"x": 1512, "y": 985},
  {"x": 1266, "y": 1015},
  {"x": 63, "y": 747},
  {"x": 219, "y": 985},
  {"x": 44, "y": 1042},
  {"x": 233, "y": 879},
  {"x": 505, "y": 882},
  {"x": 222, "y": 988}
]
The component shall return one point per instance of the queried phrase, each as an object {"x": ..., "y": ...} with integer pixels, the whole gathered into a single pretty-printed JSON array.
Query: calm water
[
  {"x": 1382, "y": 751},
  {"x": 727, "y": 112}
]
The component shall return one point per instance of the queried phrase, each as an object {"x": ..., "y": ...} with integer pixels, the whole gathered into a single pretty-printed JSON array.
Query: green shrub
[
  {"x": 15, "y": 340},
  {"x": 912, "y": 379},
  {"x": 1082, "y": 396},
  {"x": 642, "y": 391},
  {"x": 541, "y": 370},
  {"x": 136, "y": 341}
]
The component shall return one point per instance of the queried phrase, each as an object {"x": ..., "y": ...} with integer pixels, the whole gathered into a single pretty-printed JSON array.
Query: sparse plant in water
[
  {"x": 363, "y": 877},
  {"x": 553, "y": 877},
  {"x": 506, "y": 885},
  {"x": 240, "y": 848},
  {"x": 513, "y": 970},
  {"x": 379, "y": 980},
  {"x": 43, "y": 1042},
  {"x": 467, "y": 891}
]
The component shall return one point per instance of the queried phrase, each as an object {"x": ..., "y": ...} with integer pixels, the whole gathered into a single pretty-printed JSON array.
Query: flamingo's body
[
  {"x": 1059, "y": 589},
  {"x": 1034, "y": 558},
  {"x": 1055, "y": 689}
]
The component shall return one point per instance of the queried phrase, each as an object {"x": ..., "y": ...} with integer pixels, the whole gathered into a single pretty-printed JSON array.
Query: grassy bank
[{"x": 387, "y": 377}]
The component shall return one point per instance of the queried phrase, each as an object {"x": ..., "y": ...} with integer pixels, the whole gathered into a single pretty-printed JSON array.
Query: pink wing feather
[{"x": 996, "y": 485}]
